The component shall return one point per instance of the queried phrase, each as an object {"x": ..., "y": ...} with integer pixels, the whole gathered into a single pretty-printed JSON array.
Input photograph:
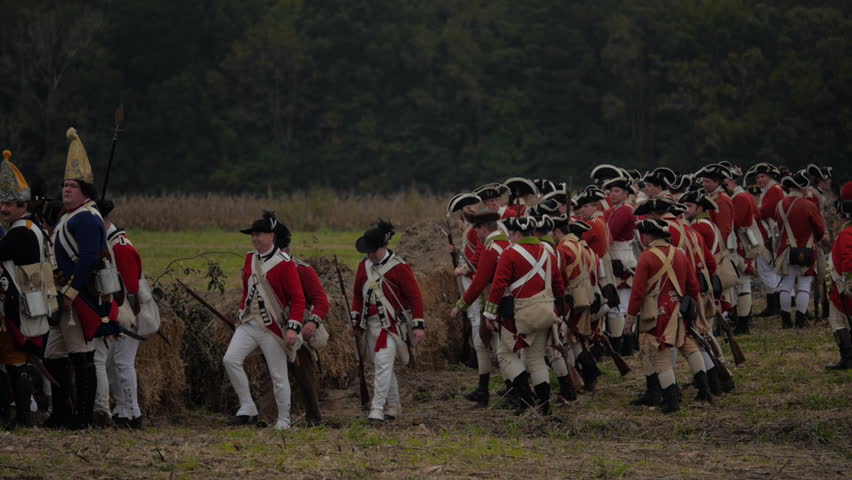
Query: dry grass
[{"x": 303, "y": 211}]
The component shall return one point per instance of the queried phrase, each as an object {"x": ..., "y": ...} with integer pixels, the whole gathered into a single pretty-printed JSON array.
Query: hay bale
[
  {"x": 443, "y": 342},
  {"x": 160, "y": 369},
  {"x": 424, "y": 245}
]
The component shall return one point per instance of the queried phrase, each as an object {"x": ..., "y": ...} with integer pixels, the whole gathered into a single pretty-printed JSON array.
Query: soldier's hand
[
  {"x": 458, "y": 271},
  {"x": 628, "y": 326},
  {"x": 419, "y": 335},
  {"x": 290, "y": 337},
  {"x": 454, "y": 312},
  {"x": 451, "y": 248},
  {"x": 308, "y": 330}
]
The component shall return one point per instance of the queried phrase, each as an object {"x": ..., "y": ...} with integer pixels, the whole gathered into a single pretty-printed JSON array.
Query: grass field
[
  {"x": 159, "y": 249},
  {"x": 786, "y": 419}
]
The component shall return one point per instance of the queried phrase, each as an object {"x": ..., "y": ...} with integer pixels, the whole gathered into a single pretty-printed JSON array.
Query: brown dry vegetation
[{"x": 303, "y": 211}]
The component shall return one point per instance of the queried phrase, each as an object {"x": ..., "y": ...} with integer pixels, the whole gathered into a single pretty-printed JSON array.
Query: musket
[
  {"x": 617, "y": 359},
  {"x": 736, "y": 351},
  {"x": 466, "y": 326},
  {"x": 119, "y": 119},
  {"x": 365, "y": 395},
  {"x": 206, "y": 305},
  {"x": 724, "y": 373}
]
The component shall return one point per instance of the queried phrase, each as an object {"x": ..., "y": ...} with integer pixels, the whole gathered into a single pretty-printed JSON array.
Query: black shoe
[
  {"x": 132, "y": 423},
  {"x": 713, "y": 381},
  {"x": 588, "y": 370},
  {"x": 521, "y": 384},
  {"x": 742, "y": 326},
  {"x": 671, "y": 399},
  {"x": 239, "y": 420},
  {"x": 773, "y": 305},
  {"x": 21, "y": 380},
  {"x": 844, "y": 343},
  {"x": 786, "y": 321},
  {"x": 727, "y": 385},
  {"x": 616, "y": 342},
  {"x": 542, "y": 392},
  {"x": 801, "y": 319},
  {"x": 626, "y": 349},
  {"x": 480, "y": 395},
  {"x": 702, "y": 383},
  {"x": 653, "y": 394},
  {"x": 566, "y": 389}
]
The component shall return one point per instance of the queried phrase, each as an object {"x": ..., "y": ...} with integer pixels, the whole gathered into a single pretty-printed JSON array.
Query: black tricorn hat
[
  {"x": 521, "y": 186},
  {"x": 681, "y": 183},
  {"x": 560, "y": 194},
  {"x": 658, "y": 205},
  {"x": 375, "y": 238},
  {"x": 520, "y": 224},
  {"x": 700, "y": 199},
  {"x": 482, "y": 216},
  {"x": 544, "y": 186},
  {"x": 765, "y": 168},
  {"x": 491, "y": 190},
  {"x": 653, "y": 226},
  {"x": 267, "y": 223},
  {"x": 605, "y": 172},
  {"x": 678, "y": 209},
  {"x": 590, "y": 195},
  {"x": 796, "y": 180},
  {"x": 548, "y": 206},
  {"x": 545, "y": 224},
  {"x": 460, "y": 201},
  {"x": 579, "y": 227},
  {"x": 561, "y": 222},
  {"x": 821, "y": 173},
  {"x": 621, "y": 182},
  {"x": 715, "y": 172},
  {"x": 105, "y": 206},
  {"x": 660, "y": 176},
  {"x": 735, "y": 170}
]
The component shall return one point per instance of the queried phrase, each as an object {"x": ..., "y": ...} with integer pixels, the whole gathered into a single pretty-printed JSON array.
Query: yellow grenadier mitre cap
[
  {"x": 13, "y": 185},
  {"x": 77, "y": 167}
]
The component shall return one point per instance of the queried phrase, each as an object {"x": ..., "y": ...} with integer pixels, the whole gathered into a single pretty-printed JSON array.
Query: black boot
[
  {"x": 786, "y": 320},
  {"x": 23, "y": 385},
  {"x": 566, "y": 389},
  {"x": 727, "y": 385},
  {"x": 742, "y": 326},
  {"x": 521, "y": 384},
  {"x": 5, "y": 399},
  {"x": 844, "y": 343},
  {"x": 801, "y": 319},
  {"x": 773, "y": 305},
  {"x": 825, "y": 307},
  {"x": 86, "y": 382},
  {"x": 702, "y": 383},
  {"x": 671, "y": 399},
  {"x": 480, "y": 395},
  {"x": 713, "y": 381},
  {"x": 542, "y": 392},
  {"x": 509, "y": 399},
  {"x": 616, "y": 342},
  {"x": 626, "y": 346},
  {"x": 60, "y": 398},
  {"x": 653, "y": 394},
  {"x": 588, "y": 370}
]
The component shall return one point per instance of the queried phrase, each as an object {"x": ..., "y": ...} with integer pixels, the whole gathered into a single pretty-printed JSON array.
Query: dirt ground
[{"x": 787, "y": 418}]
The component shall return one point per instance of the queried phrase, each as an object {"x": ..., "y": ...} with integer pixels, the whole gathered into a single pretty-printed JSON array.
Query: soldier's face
[
  {"x": 378, "y": 255},
  {"x": 691, "y": 210},
  {"x": 588, "y": 209},
  {"x": 493, "y": 204},
  {"x": 262, "y": 241},
  {"x": 761, "y": 180},
  {"x": 72, "y": 195},
  {"x": 618, "y": 195},
  {"x": 11, "y": 211},
  {"x": 652, "y": 190},
  {"x": 709, "y": 184}
]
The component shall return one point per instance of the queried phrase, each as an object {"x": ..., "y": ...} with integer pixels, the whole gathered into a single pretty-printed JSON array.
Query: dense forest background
[{"x": 264, "y": 95}]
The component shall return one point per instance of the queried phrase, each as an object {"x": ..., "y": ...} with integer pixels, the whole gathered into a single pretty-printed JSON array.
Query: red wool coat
[{"x": 284, "y": 280}]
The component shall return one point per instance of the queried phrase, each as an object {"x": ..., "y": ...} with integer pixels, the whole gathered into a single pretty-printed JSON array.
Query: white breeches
[
  {"x": 247, "y": 338},
  {"x": 385, "y": 384},
  {"x": 121, "y": 369},
  {"x": 768, "y": 275},
  {"x": 794, "y": 284},
  {"x": 743, "y": 291},
  {"x": 102, "y": 349}
]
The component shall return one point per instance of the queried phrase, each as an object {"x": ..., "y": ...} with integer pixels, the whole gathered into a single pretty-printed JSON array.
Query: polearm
[
  {"x": 119, "y": 119},
  {"x": 206, "y": 305},
  {"x": 362, "y": 378}
]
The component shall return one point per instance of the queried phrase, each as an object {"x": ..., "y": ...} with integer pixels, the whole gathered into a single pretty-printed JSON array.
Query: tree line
[{"x": 379, "y": 95}]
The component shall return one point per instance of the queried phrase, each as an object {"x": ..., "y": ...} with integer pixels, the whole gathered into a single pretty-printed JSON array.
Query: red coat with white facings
[
  {"x": 315, "y": 295},
  {"x": 598, "y": 238},
  {"x": 512, "y": 266},
  {"x": 488, "y": 261}
]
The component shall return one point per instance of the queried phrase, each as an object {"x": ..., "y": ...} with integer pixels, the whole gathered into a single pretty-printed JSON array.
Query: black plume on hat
[
  {"x": 375, "y": 238},
  {"x": 105, "y": 206}
]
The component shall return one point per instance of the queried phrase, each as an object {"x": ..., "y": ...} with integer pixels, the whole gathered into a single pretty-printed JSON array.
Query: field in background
[
  {"x": 228, "y": 249},
  {"x": 303, "y": 211}
]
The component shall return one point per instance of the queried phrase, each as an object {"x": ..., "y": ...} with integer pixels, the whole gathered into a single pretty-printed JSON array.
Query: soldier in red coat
[
  {"x": 657, "y": 182},
  {"x": 802, "y": 226},
  {"x": 840, "y": 291},
  {"x": 750, "y": 246},
  {"x": 712, "y": 179},
  {"x": 768, "y": 197},
  {"x": 495, "y": 243},
  {"x": 387, "y": 304},
  {"x": 664, "y": 277},
  {"x": 528, "y": 273},
  {"x": 621, "y": 223},
  {"x": 270, "y": 318}
]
